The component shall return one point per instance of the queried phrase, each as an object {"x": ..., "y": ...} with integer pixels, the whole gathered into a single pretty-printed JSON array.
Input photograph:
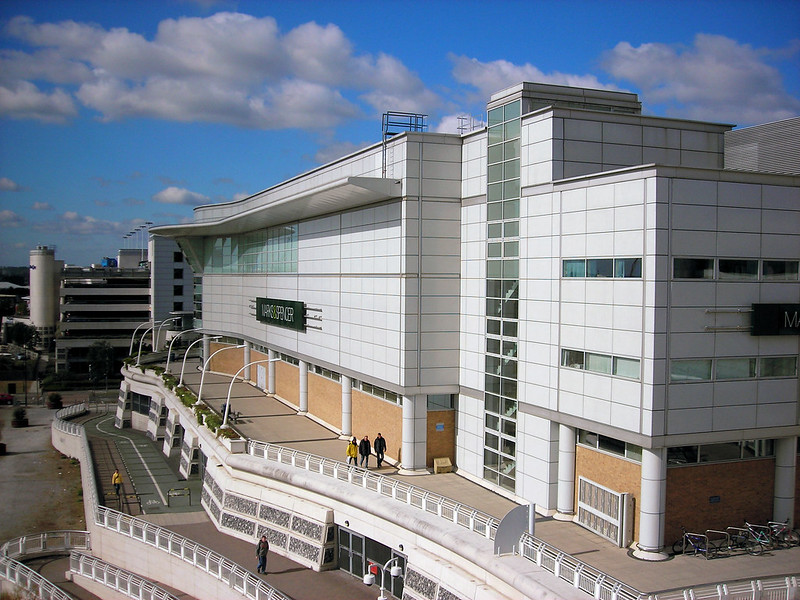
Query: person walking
[
  {"x": 261, "y": 553},
  {"x": 116, "y": 481},
  {"x": 352, "y": 452},
  {"x": 380, "y": 449},
  {"x": 364, "y": 450}
]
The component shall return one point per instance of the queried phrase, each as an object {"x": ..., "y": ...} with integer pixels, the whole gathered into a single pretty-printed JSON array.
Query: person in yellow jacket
[
  {"x": 352, "y": 452},
  {"x": 116, "y": 480}
]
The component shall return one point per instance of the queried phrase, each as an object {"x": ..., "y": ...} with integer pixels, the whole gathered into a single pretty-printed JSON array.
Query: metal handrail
[
  {"x": 122, "y": 581},
  {"x": 47, "y": 542},
  {"x": 26, "y": 578},
  {"x": 430, "y": 502}
]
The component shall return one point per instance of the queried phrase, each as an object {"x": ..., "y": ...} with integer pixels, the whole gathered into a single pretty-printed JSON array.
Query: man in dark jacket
[
  {"x": 261, "y": 554},
  {"x": 364, "y": 450},
  {"x": 380, "y": 449}
]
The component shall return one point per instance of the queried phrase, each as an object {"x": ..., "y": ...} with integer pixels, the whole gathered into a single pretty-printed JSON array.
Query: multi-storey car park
[{"x": 581, "y": 306}]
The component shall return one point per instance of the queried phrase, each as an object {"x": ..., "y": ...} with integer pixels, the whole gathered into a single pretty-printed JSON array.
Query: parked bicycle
[
  {"x": 783, "y": 535},
  {"x": 694, "y": 544},
  {"x": 739, "y": 539},
  {"x": 761, "y": 534}
]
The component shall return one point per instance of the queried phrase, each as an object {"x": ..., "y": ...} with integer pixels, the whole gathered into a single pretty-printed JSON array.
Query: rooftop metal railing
[
  {"x": 430, "y": 502},
  {"x": 28, "y": 579},
  {"x": 119, "y": 580}
]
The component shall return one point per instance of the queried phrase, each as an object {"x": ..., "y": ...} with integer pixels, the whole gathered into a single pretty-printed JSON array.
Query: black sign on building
[
  {"x": 281, "y": 313},
  {"x": 775, "y": 319}
]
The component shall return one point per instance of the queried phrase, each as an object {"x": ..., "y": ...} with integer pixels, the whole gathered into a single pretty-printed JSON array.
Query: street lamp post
[
  {"x": 395, "y": 571},
  {"x": 186, "y": 354},
  {"x": 205, "y": 365},
  {"x": 230, "y": 387},
  {"x": 130, "y": 352},
  {"x": 157, "y": 340},
  {"x": 141, "y": 341},
  {"x": 172, "y": 341}
]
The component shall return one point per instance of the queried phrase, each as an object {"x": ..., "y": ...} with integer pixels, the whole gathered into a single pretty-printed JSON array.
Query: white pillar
[
  {"x": 566, "y": 473},
  {"x": 303, "y": 388},
  {"x": 785, "y": 472},
  {"x": 246, "y": 373},
  {"x": 271, "y": 371},
  {"x": 347, "y": 406},
  {"x": 652, "y": 504},
  {"x": 415, "y": 432}
]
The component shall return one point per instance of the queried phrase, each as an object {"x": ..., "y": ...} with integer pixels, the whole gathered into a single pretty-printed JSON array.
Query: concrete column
[
  {"x": 785, "y": 473},
  {"x": 347, "y": 407},
  {"x": 303, "y": 388},
  {"x": 206, "y": 349},
  {"x": 415, "y": 433},
  {"x": 247, "y": 359},
  {"x": 652, "y": 504},
  {"x": 271, "y": 371},
  {"x": 566, "y": 473}
]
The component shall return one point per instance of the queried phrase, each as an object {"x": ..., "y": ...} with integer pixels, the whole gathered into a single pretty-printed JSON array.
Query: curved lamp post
[
  {"x": 172, "y": 341},
  {"x": 141, "y": 341},
  {"x": 203, "y": 376},
  {"x": 233, "y": 380},
  {"x": 130, "y": 352},
  {"x": 395, "y": 571},
  {"x": 186, "y": 354},
  {"x": 158, "y": 332}
]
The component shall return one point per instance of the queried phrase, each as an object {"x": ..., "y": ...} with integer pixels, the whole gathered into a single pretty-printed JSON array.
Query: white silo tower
[{"x": 45, "y": 284}]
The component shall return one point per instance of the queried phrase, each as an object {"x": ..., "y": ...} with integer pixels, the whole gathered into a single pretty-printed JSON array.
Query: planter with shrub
[{"x": 20, "y": 418}]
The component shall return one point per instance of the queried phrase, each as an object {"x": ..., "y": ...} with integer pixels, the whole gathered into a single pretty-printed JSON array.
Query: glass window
[
  {"x": 494, "y": 288},
  {"x": 738, "y": 269},
  {"x": 682, "y": 455},
  {"x": 511, "y": 270},
  {"x": 492, "y": 403},
  {"x": 495, "y": 134},
  {"x": 494, "y": 192},
  {"x": 495, "y": 173},
  {"x": 493, "y": 307},
  {"x": 735, "y": 368},
  {"x": 587, "y": 438},
  {"x": 611, "y": 445},
  {"x": 495, "y": 230},
  {"x": 509, "y": 329},
  {"x": 492, "y": 346},
  {"x": 509, "y": 368},
  {"x": 510, "y": 309},
  {"x": 493, "y": 327},
  {"x": 492, "y": 422},
  {"x": 508, "y": 388},
  {"x": 720, "y": 452},
  {"x": 441, "y": 401},
  {"x": 494, "y": 211},
  {"x": 510, "y": 169},
  {"x": 626, "y": 367},
  {"x": 511, "y": 289},
  {"x": 693, "y": 268},
  {"x": 495, "y": 154},
  {"x": 512, "y": 110},
  {"x": 780, "y": 270},
  {"x": 495, "y": 249},
  {"x": 627, "y": 267},
  {"x": 492, "y": 364},
  {"x": 633, "y": 452},
  {"x": 572, "y": 358},
  {"x": 778, "y": 366},
  {"x": 494, "y": 268},
  {"x": 512, "y": 129},
  {"x": 491, "y": 460},
  {"x": 509, "y": 348},
  {"x": 511, "y": 249},
  {"x": 496, "y": 116},
  {"x": 511, "y": 149},
  {"x": 599, "y": 267},
  {"x": 598, "y": 363},
  {"x": 574, "y": 268},
  {"x": 511, "y": 229},
  {"x": 690, "y": 370},
  {"x": 511, "y": 189},
  {"x": 511, "y": 209}
]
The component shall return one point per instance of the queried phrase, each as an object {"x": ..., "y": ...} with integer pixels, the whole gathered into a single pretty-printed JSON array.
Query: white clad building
[{"x": 578, "y": 305}]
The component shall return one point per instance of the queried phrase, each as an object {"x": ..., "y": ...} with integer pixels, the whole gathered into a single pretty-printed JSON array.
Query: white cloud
[
  {"x": 460, "y": 123},
  {"x": 42, "y": 206},
  {"x": 715, "y": 79},
  {"x": 7, "y": 185},
  {"x": 176, "y": 195},
  {"x": 490, "y": 77},
  {"x": 226, "y": 68},
  {"x": 8, "y": 218}
]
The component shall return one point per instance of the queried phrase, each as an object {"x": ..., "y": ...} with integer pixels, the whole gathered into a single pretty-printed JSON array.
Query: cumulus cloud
[
  {"x": 41, "y": 206},
  {"x": 8, "y": 218},
  {"x": 715, "y": 79},
  {"x": 490, "y": 77},
  {"x": 227, "y": 68},
  {"x": 176, "y": 195},
  {"x": 8, "y": 185},
  {"x": 460, "y": 123},
  {"x": 73, "y": 223}
]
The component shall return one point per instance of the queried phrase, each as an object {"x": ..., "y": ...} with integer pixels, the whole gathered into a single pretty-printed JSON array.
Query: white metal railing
[
  {"x": 120, "y": 580},
  {"x": 430, "y": 502},
  {"x": 48, "y": 542},
  {"x": 775, "y": 588},
  {"x": 28, "y": 579}
]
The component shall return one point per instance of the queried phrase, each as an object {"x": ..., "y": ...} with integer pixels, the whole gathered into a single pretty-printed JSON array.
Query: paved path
[{"x": 267, "y": 419}]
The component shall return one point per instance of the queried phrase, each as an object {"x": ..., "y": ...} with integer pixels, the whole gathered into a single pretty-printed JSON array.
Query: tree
[
  {"x": 22, "y": 335},
  {"x": 101, "y": 361}
]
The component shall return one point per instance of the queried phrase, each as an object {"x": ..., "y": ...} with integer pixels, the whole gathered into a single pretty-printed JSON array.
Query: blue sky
[{"x": 114, "y": 114}]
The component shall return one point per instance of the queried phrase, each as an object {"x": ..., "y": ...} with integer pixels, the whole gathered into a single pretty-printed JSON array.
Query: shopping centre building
[{"x": 578, "y": 305}]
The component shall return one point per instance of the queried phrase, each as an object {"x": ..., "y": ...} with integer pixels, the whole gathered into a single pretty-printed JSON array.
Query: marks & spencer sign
[
  {"x": 281, "y": 313},
  {"x": 775, "y": 319}
]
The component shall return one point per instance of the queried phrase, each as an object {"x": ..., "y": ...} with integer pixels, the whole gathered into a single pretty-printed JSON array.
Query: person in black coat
[
  {"x": 380, "y": 449},
  {"x": 364, "y": 450}
]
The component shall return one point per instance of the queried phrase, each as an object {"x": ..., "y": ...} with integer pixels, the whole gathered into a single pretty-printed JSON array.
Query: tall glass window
[{"x": 502, "y": 295}]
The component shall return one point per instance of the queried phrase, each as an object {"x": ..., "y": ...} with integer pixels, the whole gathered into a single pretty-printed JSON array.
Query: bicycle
[
  {"x": 783, "y": 535},
  {"x": 739, "y": 538},
  {"x": 694, "y": 544},
  {"x": 761, "y": 534}
]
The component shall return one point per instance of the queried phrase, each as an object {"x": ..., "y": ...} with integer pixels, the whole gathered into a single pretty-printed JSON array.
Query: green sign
[{"x": 281, "y": 313}]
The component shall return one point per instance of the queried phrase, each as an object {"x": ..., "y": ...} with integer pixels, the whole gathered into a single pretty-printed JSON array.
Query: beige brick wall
[
  {"x": 618, "y": 474},
  {"x": 229, "y": 361},
  {"x": 441, "y": 443},
  {"x": 287, "y": 382},
  {"x": 325, "y": 399},
  {"x": 372, "y": 415}
]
